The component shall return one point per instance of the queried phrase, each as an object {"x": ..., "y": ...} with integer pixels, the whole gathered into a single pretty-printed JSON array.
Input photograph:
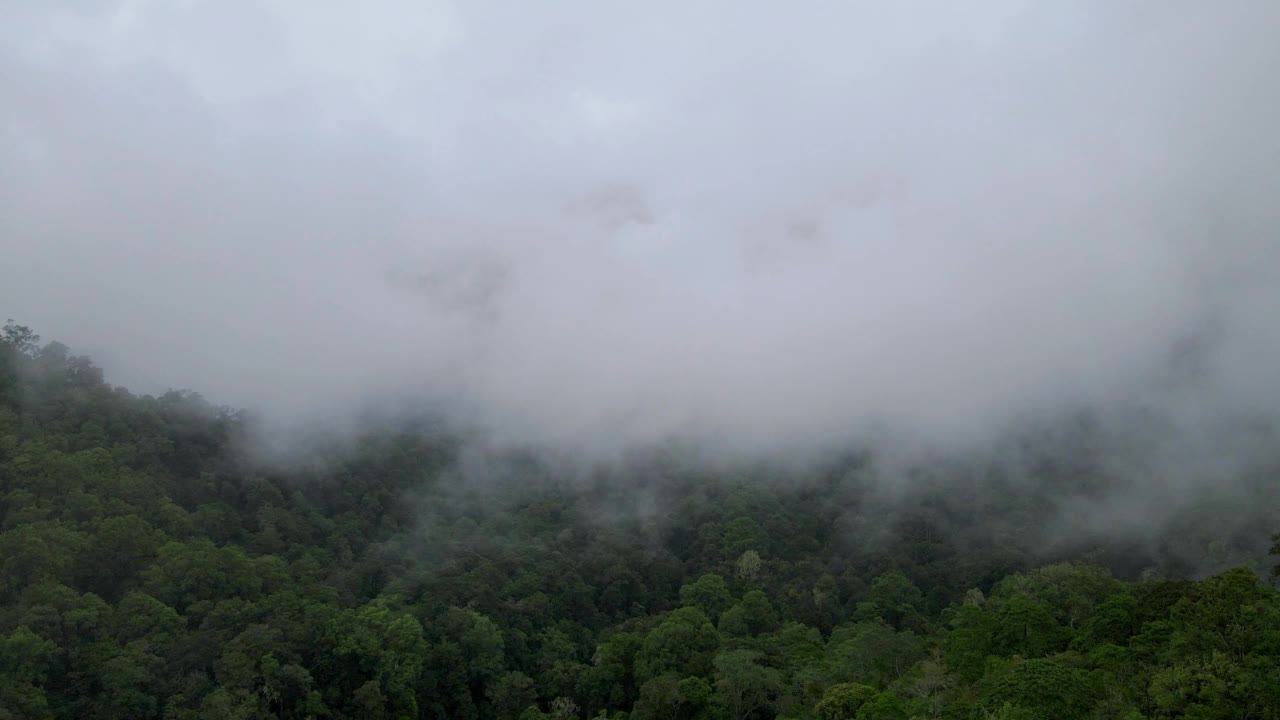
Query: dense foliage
[{"x": 150, "y": 569}]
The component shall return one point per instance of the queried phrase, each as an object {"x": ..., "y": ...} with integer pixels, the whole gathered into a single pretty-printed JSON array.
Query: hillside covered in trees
[{"x": 153, "y": 566}]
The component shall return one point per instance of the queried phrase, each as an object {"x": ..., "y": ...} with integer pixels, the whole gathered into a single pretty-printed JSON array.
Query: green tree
[
  {"x": 1050, "y": 688},
  {"x": 19, "y": 338},
  {"x": 26, "y": 660},
  {"x": 611, "y": 678},
  {"x": 897, "y": 598},
  {"x": 871, "y": 652},
  {"x": 751, "y": 616},
  {"x": 685, "y": 643},
  {"x": 669, "y": 697},
  {"x": 884, "y": 706},
  {"x": 842, "y": 701},
  {"x": 39, "y": 551},
  {"x": 511, "y": 693},
  {"x": 744, "y": 686},
  {"x": 710, "y": 593}
]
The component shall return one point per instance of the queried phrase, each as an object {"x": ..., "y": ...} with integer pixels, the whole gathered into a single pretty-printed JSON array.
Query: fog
[{"x": 598, "y": 225}]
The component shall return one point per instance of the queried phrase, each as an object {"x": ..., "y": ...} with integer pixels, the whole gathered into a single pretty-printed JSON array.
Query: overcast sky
[{"x": 760, "y": 221}]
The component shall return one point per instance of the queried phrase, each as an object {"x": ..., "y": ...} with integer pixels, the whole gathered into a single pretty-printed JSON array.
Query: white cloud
[{"x": 588, "y": 221}]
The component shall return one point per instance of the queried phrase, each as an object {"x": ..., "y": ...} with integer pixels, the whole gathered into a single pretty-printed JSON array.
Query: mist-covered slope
[
  {"x": 154, "y": 563},
  {"x": 664, "y": 360}
]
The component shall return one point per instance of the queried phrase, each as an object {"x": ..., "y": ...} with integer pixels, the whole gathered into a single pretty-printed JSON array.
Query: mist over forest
[{"x": 470, "y": 360}]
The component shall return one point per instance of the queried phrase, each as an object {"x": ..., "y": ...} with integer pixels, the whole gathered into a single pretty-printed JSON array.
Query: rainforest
[{"x": 152, "y": 567}]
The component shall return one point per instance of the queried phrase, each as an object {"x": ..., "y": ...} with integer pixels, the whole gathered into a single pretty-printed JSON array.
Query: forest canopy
[{"x": 152, "y": 567}]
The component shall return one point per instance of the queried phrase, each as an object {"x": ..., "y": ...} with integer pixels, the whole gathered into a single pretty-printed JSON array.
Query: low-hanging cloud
[{"x": 597, "y": 223}]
